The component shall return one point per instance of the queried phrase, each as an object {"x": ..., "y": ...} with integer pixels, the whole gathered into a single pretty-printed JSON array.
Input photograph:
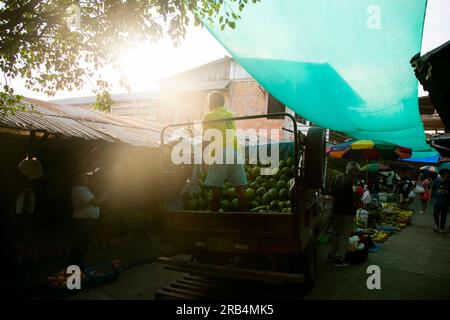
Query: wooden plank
[
  {"x": 230, "y": 272},
  {"x": 161, "y": 294},
  {"x": 212, "y": 291},
  {"x": 196, "y": 294}
]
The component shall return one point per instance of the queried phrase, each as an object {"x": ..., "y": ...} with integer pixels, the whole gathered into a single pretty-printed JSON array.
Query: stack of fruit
[
  {"x": 20, "y": 253},
  {"x": 266, "y": 193},
  {"x": 377, "y": 235},
  {"x": 397, "y": 217},
  {"x": 59, "y": 279}
]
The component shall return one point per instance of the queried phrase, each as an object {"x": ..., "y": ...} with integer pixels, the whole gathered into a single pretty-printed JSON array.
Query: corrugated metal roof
[
  {"x": 117, "y": 97},
  {"x": 83, "y": 123}
]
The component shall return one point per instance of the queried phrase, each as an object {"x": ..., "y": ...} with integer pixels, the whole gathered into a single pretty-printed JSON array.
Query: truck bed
[{"x": 243, "y": 232}]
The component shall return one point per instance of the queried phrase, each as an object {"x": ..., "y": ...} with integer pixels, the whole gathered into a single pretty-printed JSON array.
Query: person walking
[
  {"x": 425, "y": 196},
  {"x": 440, "y": 197},
  {"x": 344, "y": 211}
]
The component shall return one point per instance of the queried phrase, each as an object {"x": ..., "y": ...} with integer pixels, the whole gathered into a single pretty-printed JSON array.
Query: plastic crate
[{"x": 97, "y": 275}]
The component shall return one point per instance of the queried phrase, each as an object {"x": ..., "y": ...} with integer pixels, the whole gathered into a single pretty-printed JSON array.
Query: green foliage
[
  {"x": 39, "y": 44},
  {"x": 10, "y": 103}
]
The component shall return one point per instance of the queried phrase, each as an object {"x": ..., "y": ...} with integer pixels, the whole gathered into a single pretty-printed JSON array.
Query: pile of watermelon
[{"x": 266, "y": 193}]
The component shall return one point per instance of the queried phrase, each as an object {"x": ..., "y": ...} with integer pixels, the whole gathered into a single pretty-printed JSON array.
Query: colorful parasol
[
  {"x": 429, "y": 169},
  {"x": 368, "y": 150},
  {"x": 375, "y": 167}
]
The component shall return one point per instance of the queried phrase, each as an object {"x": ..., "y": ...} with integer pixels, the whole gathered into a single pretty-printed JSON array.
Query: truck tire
[{"x": 315, "y": 158}]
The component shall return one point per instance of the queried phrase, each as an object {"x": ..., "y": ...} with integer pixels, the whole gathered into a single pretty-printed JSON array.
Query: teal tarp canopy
[{"x": 342, "y": 64}]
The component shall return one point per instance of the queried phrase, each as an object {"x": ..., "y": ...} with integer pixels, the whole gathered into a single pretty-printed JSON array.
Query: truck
[{"x": 274, "y": 247}]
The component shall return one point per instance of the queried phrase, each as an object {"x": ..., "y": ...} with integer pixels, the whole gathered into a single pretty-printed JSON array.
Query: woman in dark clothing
[{"x": 440, "y": 196}]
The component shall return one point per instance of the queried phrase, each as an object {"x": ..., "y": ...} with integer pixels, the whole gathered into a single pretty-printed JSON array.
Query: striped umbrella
[
  {"x": 368, "y": 150},
  {"x": 375, "y": 167}
]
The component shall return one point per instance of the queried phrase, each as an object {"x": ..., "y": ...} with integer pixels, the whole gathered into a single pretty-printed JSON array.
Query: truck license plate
[{"x": 220, "y": 245}]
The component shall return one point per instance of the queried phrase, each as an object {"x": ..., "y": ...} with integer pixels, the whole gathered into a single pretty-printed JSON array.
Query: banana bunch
[{"x": 380, "y": 236}]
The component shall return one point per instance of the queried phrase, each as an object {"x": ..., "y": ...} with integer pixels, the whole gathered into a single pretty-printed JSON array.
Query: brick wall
[
  {"x": 249, "y": 98},
  {"x": 245, "y": 97}
]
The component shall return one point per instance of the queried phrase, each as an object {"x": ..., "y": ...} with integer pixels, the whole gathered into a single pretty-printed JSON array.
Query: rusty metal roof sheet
[{"x": 83, "y": 123}]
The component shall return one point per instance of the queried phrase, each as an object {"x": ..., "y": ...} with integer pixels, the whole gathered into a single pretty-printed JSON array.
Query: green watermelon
[
  {"x": 266, "y": 185},
  {"x": 273, "y": 205},
  {"x": 276, "y": 173},
  {"x": 284, "y": 177},
  {"x": 261, "y": 191},
  {"x": 267, "y": 198},
  {"x": 273, "y": 194},
  {"x": 254, "y": 185},
  {"x": 234, "y": 204},
  {"x": 281, "y": 184},
  {"x": 283, "y": 194},
  {"x": 259, "y": 200},
  {"x": 225, "y": 205},
  {"x": 251, "y": 194},
  {"x": 282, "y": 164},
  {"x": 254, "y": 204},
  {"x": 255, "y": 172},
  {"x": 286, "y": 171},
  {"x": 273, "y": 182},
  {"x": 259, "y": 179},
  {"x": 226, "y": 185},
  {"x": 231, "y": 194},
  {"x": 290, "y": 161}
]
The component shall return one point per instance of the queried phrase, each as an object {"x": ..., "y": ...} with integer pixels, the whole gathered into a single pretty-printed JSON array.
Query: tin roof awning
[{"x": 87, "y": 124}]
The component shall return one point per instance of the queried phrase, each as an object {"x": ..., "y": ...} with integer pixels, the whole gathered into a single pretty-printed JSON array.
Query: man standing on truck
[
  {"x": 219, "y": 172},
  {"x": 344, "y": 211}
]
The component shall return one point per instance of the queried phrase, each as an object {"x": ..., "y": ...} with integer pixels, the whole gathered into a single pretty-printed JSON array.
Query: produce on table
[
  {"x": 59, "y": 279},
  {"x": 392, "y": 220}
]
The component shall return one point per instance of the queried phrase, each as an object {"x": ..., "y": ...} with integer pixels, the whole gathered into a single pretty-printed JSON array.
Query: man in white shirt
[{"x": 86, "y": 211}]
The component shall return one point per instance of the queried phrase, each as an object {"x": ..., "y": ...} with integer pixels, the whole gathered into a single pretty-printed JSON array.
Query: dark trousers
[
  {"x": 84, "y": 233},
  {"x": 440, "y": 215}
]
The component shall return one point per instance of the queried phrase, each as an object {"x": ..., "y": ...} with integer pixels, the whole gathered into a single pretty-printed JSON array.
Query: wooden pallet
[{"x": 202, "y": 288}]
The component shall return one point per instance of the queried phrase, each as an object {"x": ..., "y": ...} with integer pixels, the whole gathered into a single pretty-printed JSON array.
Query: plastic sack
[
  {"x": 419, "y": 189},
  {"x": 366, "y": 198},
  {"x": 192, "y": 186},
  {"x": 31, "y": 168}
]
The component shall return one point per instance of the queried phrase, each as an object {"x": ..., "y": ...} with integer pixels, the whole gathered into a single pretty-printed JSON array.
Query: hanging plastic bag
[
  {"x": 31, "y": 168},
  {"x": 192, "y": 187},
  {"x": 366, "y": 198},
  {"x": 419, "y": 189}
]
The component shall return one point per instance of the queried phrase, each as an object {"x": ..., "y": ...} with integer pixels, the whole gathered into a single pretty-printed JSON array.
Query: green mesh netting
[{"x": 342, "y": 64}]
